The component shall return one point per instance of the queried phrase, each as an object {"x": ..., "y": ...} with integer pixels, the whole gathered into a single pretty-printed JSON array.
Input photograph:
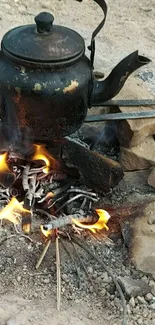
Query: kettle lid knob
[{"x": 44, "y": 22}]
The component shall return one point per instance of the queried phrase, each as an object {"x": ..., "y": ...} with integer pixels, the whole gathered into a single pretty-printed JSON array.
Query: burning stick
[
  {"x": 67, "y": 220},
  {"x": 58, "y": 273},
  {"x": 97, "y": 220},
  {"x": 43, "y": 254}
]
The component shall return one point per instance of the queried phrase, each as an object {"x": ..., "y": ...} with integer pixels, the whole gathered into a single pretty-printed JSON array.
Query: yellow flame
[
  {"x": 101, "y": 223},
  {"x": 3, "y": 163},
  {"x": 12, "y": 211},
  {"x": 46, "y": 233},
  {"x": 42, "y": 154}
]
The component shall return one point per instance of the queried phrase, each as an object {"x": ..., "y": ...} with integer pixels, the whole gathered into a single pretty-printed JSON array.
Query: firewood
[{"x": 95, "y": 170}]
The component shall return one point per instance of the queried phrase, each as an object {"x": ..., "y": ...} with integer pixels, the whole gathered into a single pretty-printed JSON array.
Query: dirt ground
[{"x": 26, "y": 296}]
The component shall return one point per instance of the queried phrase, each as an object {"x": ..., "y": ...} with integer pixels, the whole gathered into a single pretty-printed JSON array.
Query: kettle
[{"x": 47, "y": 82}]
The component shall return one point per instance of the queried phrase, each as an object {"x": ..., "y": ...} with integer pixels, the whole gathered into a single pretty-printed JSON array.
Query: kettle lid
[{"x": 43, "y": 42}]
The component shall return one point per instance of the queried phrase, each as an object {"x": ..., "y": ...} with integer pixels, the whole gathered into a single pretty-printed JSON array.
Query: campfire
[{"x": 42, "y": 184}]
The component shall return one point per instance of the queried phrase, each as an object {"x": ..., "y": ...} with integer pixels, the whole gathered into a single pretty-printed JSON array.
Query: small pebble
[
  {"x": 19, "y": 278},
  {"x": 90, "y": 269},
  {"x": 11, "y": 321},
  {"x": 132, "y": 302},
  {"x": 141, "y": 300},
  {"x": 149, "y": 297},
  {"x": 139, "y": 321},
  {"x": 91, "y": 316},
  {"x": 152, "y": 306},
  {"x": 46, "y": 280}
]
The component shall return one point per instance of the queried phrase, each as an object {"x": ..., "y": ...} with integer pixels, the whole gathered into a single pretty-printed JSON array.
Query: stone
[
  {"x": 138, "y": 157},
  {"x": 132, "y": 287},
  {"x": 152, "y": 306},
  {"x": 141, "y": 300},
  {"x": 151, "y": 178},
  {"x": 149, "y": 297},
  {"x": 133, "y": 132},
  {"x": 132, "y": 302},
  {"x": 152, "y": 285},
  {"x": 11, "y": 321},
  {"x": 90, "y": 269},
  {"x": 142, "y": 250},
  {"x": 140, "y": 321}
]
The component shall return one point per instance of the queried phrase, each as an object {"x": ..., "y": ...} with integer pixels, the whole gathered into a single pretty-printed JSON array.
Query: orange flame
[
  {"x": 3, "y": 163},
  {"x": 12, "y": 211},
  {"x": 42, "y": 154},
  {"x": 101, "y": 223}
]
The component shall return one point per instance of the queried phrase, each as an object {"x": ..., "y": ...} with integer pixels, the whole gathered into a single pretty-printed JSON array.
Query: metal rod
[
  {"x": 127, "y": 102},
  {"x": 119, "y": 116}
]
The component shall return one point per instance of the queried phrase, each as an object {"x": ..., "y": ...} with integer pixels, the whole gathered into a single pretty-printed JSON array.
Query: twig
[
  {"x": 78, "y": 190},
  {"x": 50, "y": 216},
  {"x": 84, "y": 246},
  {"x": 58, "y": 273},
  {"x": 72, "y": 259},
  {"x": 67, "y": 220},
  {"x": 84, "y": 267},
  {"x": 74, "y": 199},
  {"x": 43, "y": 254},
  {"x": 25, "y": 182}
]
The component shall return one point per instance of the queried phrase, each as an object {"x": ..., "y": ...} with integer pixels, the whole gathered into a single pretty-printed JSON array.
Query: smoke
[
  {"x": 12, "y": 136},
  {"x": 106, "y": 135}
]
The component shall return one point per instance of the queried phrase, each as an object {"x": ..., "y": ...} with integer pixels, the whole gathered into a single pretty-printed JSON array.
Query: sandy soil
[{"x": 130, "y": 26}]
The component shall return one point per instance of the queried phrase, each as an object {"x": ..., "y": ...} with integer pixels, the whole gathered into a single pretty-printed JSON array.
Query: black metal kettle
[{"x": 47, "y": 82}]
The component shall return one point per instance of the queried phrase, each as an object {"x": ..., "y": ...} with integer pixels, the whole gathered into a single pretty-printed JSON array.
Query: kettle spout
[{"x": 111, "y": 86}]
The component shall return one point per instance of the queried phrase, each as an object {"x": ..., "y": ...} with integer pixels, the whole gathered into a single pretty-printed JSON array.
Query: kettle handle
[{"x": 91, "y": 47}]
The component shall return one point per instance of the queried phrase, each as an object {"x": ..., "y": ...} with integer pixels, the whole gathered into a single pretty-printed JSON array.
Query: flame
[
  {"x": 3, "y": 163},
  {"x": 101, "y": 223},
  {"x": 12, "y": 211},
  {"x": 42, "y": 154},
  {"x": 46, "y": 232}
]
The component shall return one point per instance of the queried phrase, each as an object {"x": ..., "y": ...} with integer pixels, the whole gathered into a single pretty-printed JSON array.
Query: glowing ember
[
  {"x": 12, "y": 211},
  {"x": 101, "y": 223},
  {"x": 3, "y": 163},
  {"x": 42, "y": 154}
]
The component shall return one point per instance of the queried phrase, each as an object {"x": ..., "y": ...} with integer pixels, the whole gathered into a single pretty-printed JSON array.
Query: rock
[
  {"x": 152, "y": 306},
  {"x": 140, "y": 321},
  {"x": 149, "y": 297},
  {"x": 46, "y": 280},
  {"x": 11, "y": 321},
  {"x": 133, "y": 132},
  {"x": 151, "y": 178},
  {"x": 142, "y": 250},
  {"x": 141, "y": 300},
  {"x": 19, "y": 278},
  {"x": 132, "y": 302},
  {"x": 152, "y": 285},
  {"x": 105, "y": 278},
  {"x": 134, "y": 288},
  {"x": 90, "y": 269},
  {"x": 138, "y": 157}
]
